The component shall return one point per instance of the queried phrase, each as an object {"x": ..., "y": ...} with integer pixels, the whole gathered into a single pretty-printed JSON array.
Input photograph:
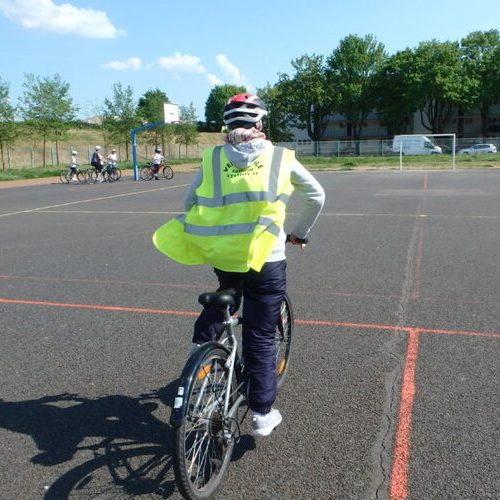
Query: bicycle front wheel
[
  {"x": 146, "y": 173},
  {"x": 91, "y": 174},
  {"x": 81, "y": 175},
  {"x": 204, "y": 440},
  {"x": 63, "y": 175},
  {"x": 168, "y": 172},
  {"x": 283, "y": 339}
]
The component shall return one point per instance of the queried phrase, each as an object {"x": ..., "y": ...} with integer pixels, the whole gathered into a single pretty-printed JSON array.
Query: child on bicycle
[
  {"x": 254, "y": 182},
  {"x": 73, "y": 165},
  {"x": 112, "y": 158},
  {"x": 157, "y": 161}
]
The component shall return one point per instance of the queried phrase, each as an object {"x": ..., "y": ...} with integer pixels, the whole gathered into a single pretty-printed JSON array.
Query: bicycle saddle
[{"x": 220, "y": 299}]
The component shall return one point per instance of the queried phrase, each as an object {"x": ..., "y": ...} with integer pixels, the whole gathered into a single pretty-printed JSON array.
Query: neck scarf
[{"x": 239, "y": 135}]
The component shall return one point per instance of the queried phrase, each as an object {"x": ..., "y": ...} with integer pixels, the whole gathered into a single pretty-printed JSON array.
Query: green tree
[
  {"x": 187, "y": 114},
  {"x": 440, "y": 83},
  {"x": 120, "y": 115},
  {"x": 150, "y": 110},
  {"x": 186, "y": 131},
  {"x": 396, "y": 98},
  {"x": 150, "y": 106},
  {"x": 352, "y": 68},
  {"x": 47, "y": 107},
  {"x": 8, "y": 129},
  {"x": 215, "y": 103},
  {"x": 275, "y": 124},
  {"x": 305, "y": 96},
  {"x": 480, "y": 54}
]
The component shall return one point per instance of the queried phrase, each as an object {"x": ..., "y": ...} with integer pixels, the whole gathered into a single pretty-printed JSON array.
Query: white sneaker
[{"x": 263, "y": 424}]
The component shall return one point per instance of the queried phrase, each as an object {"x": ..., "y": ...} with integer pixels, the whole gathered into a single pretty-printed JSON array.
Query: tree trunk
[
  {"x": 484, "y": 109},
  {"x": 44, "y": 149}
]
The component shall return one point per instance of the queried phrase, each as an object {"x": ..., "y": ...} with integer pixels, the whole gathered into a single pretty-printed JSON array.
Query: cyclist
[
  {"x": 112, "y": 158},
  {"x": 235, "y": 211},
  {"x": 157, "y": 161},
  {"x": 97, "y": 161},
  {"x": 73, "y": 165}
]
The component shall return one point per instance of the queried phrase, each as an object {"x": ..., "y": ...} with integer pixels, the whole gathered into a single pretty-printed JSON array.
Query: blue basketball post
[
  {"x": 171, "y": 115},
  {"x": 133, "y": 140}
]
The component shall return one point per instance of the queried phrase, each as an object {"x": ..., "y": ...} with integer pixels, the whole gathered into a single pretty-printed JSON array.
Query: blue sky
[{"x": 185, "y": 47}]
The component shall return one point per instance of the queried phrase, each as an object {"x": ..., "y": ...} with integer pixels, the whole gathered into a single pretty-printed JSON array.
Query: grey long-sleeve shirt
[{"x": 308, "y": 188}]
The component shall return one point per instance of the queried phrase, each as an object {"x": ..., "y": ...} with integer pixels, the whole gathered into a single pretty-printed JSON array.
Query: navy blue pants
[{"x": 262, "y": 293}]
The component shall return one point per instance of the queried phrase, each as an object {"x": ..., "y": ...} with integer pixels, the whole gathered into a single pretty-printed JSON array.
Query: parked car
[{"x": 478, "y": 148}]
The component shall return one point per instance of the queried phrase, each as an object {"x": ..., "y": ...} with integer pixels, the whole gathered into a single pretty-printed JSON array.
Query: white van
[{"x": 414, "y": 145}]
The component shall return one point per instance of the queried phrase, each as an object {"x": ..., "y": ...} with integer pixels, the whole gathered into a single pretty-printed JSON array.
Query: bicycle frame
[
  {"x": 230, "y": 338},
  {"x": 229, "y": 342}
]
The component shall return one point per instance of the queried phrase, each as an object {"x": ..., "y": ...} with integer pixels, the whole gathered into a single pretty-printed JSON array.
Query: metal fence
[
  {"x": 378, "y": 147},
  {"x": 30, "y": 157}
]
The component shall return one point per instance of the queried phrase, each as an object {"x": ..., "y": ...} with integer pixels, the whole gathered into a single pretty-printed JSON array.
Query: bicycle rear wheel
[
  {"x": 167, "y": 172},
  {"x": 283, "y": 339},
  {"x": 205, "y": 438}
]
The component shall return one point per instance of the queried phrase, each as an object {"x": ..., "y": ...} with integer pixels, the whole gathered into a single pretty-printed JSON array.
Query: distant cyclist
[
  {"x": 235, "y": 211},
  {"x": 112, "y": 158},
  {"x": 157, "y": 161},
  {"x": 73, "y": 164},
  {"x": 97, "y": 162}
]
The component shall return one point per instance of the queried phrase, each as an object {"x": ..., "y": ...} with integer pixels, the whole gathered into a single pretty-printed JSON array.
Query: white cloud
[
  {"x": 232, "y": 72},
  {"x": 182, "y": 63},
  {"x": 134, "y": 63},
  {"x": 213, "y": 80},
  {"x": 45, "y": 15}
]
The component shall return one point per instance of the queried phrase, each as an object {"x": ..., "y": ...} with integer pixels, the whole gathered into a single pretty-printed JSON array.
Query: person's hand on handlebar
[{"x": 295, "y": 240}]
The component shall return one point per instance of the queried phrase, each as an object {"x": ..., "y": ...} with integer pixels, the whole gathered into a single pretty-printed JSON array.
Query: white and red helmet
[{"x": 247, "y": 108}]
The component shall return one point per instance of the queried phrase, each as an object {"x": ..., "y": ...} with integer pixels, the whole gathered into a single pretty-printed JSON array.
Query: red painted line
[
  {"x": 359, "y": 326},
  {"x": 457, "y": 332},
  {"x": 406, "y": 329},
  {"x": 434, "y": 300},
  {"x": 398, "y": 487},
  {"x": 99, "y": 281},
  {"x": 99, "y": 307},
  {"x": 364, "y": 326}
]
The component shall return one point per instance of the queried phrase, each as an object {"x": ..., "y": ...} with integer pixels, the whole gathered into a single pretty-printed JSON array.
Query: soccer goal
[{"x": 425, "y": 151}]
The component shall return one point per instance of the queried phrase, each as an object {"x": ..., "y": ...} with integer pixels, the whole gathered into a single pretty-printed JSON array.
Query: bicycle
[
  {"x": 110, "y": 173},
  {"x": 67, "y": 176},
  {"x": 114, "y": 171},
  {"x": 148, "y": 171},
  {"x": 212, "y": 389}
]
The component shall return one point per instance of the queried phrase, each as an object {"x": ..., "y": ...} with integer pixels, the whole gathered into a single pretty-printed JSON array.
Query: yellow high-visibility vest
[{"x": 237, "y": 216}]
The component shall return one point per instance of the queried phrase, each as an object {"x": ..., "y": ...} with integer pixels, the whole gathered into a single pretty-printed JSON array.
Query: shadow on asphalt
[{"x": 136, "y": 448}]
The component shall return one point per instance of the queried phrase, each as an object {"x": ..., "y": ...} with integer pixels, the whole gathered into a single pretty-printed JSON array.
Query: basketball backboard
[{"x": 171, "y": 113}]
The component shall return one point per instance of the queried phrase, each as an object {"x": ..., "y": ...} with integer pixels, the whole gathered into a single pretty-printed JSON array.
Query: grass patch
[
  {"x": 13, "y": 174},
  {"x": 392, "y": 162}
]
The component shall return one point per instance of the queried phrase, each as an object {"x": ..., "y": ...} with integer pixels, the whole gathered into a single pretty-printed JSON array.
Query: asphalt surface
[{"x": 394, "y": 389}]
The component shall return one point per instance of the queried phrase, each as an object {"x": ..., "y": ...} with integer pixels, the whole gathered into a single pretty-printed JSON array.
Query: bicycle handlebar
[{"x": 303, "y": 241}]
